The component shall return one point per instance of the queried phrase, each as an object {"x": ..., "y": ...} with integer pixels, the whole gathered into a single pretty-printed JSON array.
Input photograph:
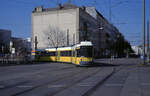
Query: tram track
[
  {"x": 116, "y": 71},
  {"x": 22, "y": 80},
  {"x": 53, "y": 78},
  {"x": 54, "y": 84}
]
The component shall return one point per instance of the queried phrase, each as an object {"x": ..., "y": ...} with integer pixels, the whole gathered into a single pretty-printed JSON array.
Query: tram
[{"x": 80, "y": 54}]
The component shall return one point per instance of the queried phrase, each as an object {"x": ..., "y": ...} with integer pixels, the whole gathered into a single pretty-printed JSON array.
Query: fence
[{"x": 13, "y": 59}]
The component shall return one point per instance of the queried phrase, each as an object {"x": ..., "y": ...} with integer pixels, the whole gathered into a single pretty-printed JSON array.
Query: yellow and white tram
[{"x": 80, "y": 54}]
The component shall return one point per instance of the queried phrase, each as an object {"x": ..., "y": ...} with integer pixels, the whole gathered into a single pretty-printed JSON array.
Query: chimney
[{"x": 39, "y": 9}]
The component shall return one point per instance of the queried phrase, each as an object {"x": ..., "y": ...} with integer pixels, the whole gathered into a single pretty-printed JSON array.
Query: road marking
[
  {"x": 113, "y": 85},
  {"x": 86, "y": 84},
  {"x": 24, "y": 86},
  {"x": 1, "y": 86},
  {"x": 51, "y": 86},
  {"x": 145, "y": 84}
]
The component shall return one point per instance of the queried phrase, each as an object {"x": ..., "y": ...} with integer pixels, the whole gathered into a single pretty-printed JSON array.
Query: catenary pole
[
  {"x": 67, "y": 37},
  {"x": 144, "y": 32},
  {"x": 110, "y": 10},
  {"x": 148, "y": 40}
]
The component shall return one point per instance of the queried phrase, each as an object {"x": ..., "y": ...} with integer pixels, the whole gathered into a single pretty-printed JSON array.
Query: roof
[
  {"x": 70, "y": 5},
  {"x": 61, "y": 7},
  {"x": 4, "y": 30}
]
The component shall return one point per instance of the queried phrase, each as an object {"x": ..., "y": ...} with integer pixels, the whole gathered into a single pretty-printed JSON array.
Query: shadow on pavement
[{"x": 104, "y": 64}]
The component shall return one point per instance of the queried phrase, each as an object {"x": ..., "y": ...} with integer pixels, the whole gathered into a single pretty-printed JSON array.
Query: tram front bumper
[{"x": 86, "y": 63}]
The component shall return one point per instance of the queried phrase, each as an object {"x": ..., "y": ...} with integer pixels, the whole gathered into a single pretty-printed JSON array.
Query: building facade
[
  {"x": 138, "y": 50},
  {"x": 5, "y": 38},
  {"x": 69, "y": 24},
  {"x": 21, "y": 45}
]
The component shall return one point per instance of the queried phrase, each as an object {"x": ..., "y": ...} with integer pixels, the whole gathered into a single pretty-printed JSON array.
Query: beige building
[{"x": 69, "y": 24}]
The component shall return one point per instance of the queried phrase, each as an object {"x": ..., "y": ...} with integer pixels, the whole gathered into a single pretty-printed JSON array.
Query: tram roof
[
  {"x": 60, "y": 49},
  {"x": 86, "y": 43},
  {"x": 50, "y": 49},
  {"x": 64, "y": 48},
  {"x": 83, "y": 43}
]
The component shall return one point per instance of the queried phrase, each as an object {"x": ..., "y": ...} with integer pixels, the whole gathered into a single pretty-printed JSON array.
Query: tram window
[
  {"x": 52, "y": 53},
  {"x": 65, "y": 53},
  {"x": 69, "y": 53},
  {"x": 42, "y": 53},
  {"x": 78, "y": 53},
  {"x": 73, "y": 53},
  {"x": 46, "y": 53},
  {"x": 62, "y": 53},
  {"x": 86, "y": 51}
]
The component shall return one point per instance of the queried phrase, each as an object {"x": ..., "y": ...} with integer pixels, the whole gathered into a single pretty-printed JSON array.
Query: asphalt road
[
  {"x": 57, "y": 79},
  {"x": 50, "y": 79}
]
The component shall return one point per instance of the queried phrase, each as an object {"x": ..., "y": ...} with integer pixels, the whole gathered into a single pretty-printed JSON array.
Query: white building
[
  {"x": 21, "y": 45},
  {"x": 137, "y": 49},
  {"x": 75, "y": 23}
]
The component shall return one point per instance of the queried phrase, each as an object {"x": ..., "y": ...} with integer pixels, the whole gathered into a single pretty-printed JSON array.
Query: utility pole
[
  {"x": 67, "y": 37},
  {"x": 144, "y": 32},
  {"x": 110, "y": 10},
  {"x": 73, "y": 38},
  {"x": 57, "y": 25},
  {"x": 57, "y": 32},
  {"x": 36, "y": 42},
  {"x": 2, "y": 49},
  {"x": 148, "y": 40}
]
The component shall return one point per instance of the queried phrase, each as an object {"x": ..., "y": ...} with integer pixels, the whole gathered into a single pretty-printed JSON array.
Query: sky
[{"x": 15, "y": 15}]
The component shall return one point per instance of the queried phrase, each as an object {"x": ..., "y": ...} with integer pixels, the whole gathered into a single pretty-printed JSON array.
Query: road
[{"x": 58, "y": 79}]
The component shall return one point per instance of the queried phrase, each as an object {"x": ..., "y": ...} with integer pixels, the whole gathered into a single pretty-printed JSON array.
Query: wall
[
  {"x": 93, "y": 33},
  {"x": 62, "y": 19},
  {"x": 5, "y": 36}
]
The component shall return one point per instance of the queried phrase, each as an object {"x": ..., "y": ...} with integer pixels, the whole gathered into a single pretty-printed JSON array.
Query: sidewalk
[
  {"x": 137, "y": 83},
  {"x": 119, "y": 61},
  {"x": 85, "y": 87}
]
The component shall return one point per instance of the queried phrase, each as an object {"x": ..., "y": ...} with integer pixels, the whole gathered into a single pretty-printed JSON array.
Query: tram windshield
[{"x": 86, "y": 51}]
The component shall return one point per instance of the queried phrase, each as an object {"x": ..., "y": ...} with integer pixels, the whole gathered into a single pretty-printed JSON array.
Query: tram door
[
  {"x": 74, "y": 56},
  {"x": 58, "y": 56}
]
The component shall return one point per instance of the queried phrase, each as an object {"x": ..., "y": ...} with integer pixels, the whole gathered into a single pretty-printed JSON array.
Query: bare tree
[{"x": 55, "y": 37}]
